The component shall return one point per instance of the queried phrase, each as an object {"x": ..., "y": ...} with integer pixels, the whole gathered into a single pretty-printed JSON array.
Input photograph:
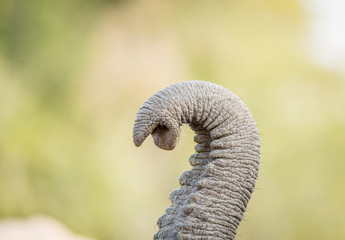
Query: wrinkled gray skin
[{"x": 213, "y": 195}]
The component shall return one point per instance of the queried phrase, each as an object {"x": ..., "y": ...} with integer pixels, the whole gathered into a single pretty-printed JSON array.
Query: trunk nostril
[
  {"x": 160, "y": 129},
  {"x": 164, "y": 137}
]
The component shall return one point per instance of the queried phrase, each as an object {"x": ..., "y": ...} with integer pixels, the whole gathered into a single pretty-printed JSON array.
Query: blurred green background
[{"x": 74, "y": 73}]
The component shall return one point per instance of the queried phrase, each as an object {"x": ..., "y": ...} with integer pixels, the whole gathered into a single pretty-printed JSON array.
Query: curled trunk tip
[{"x": 164, "y": 131}]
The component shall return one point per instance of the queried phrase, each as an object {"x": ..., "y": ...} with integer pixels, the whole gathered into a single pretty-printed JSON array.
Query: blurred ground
[
  {"x": 36, "y": 228},
  {"x": 74, "y": 73}
]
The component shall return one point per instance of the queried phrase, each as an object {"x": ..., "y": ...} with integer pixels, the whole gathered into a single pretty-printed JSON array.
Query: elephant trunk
[{"x": 214, "y": 194}]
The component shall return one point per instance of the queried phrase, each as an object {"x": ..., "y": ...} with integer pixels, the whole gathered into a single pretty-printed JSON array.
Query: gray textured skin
[{"x": 213, "y": 195}]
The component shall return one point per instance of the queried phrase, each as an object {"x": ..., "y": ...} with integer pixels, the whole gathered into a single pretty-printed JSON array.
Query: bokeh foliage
[{"x": 74, "y": 73}]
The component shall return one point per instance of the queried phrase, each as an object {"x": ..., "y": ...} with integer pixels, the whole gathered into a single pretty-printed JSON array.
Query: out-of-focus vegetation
[{"x": 74, "y": 73}]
